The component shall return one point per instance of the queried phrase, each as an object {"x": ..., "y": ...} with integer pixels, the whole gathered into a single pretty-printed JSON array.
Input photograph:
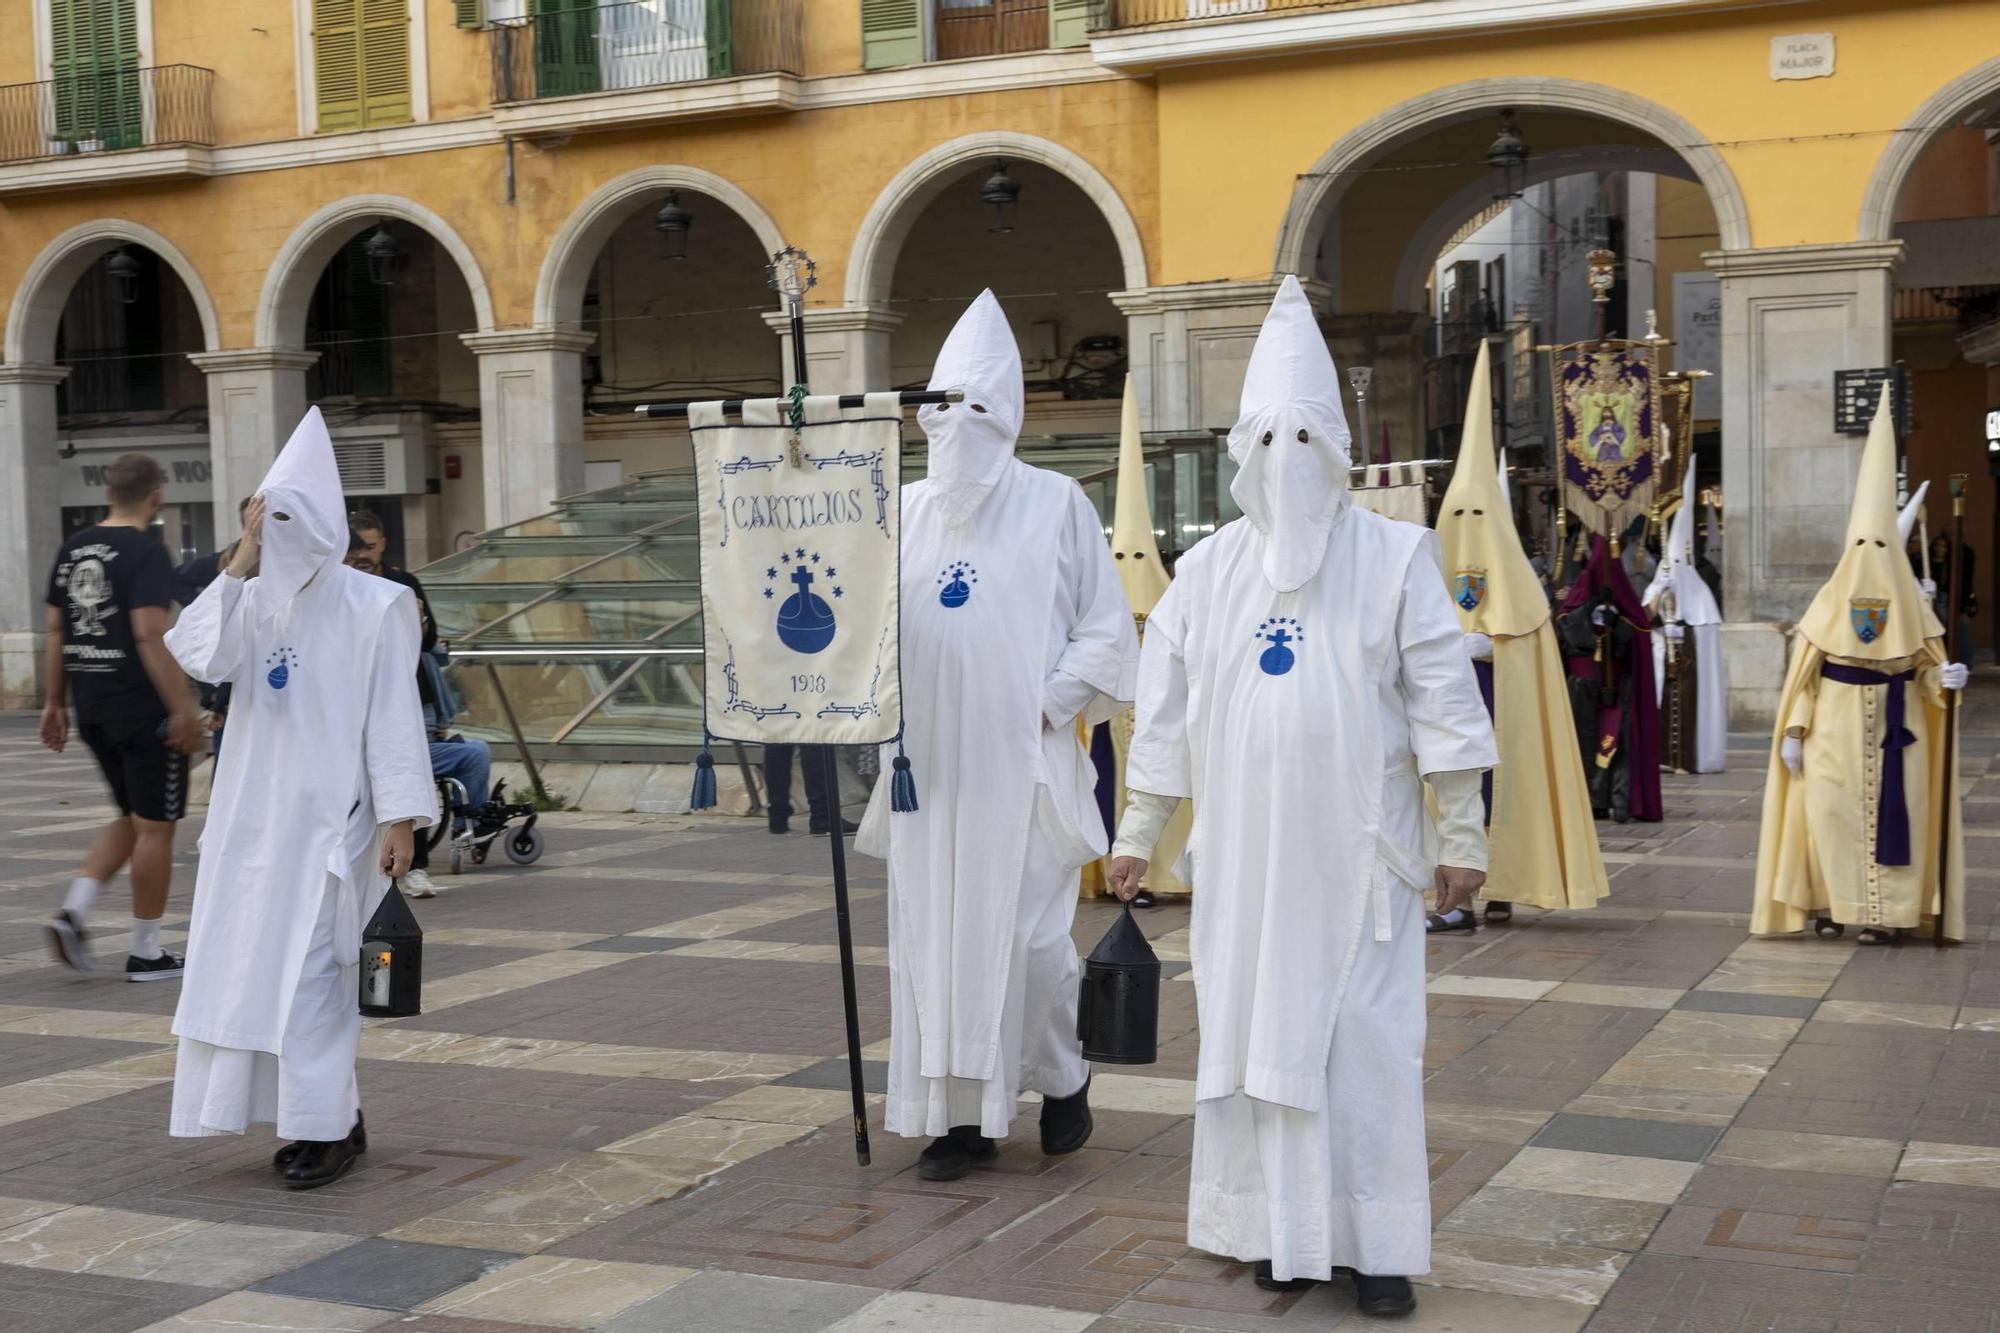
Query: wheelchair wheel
[
  {"x": 525, "y": 847},
  {"x": 457, "y": 860}
]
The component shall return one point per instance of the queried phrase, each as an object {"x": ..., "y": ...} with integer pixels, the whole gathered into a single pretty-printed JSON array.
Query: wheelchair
[{"x": 511, "y": 822}]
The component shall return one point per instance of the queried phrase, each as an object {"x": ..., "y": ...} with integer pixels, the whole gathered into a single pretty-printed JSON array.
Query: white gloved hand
[
  {"x": 1479, "y": 647},
  {"x": 1953, "y": 675},
  {"x": 1675, "y": 630},
  {"x": 1930, "y": 588},
  {"x": 1793, "y": 751}
]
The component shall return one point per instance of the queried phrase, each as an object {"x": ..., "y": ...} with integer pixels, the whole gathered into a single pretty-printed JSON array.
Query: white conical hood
[
  {"x": 1133, "y": 547},
  {"x": 1290, "y": 441},
  {"x": 1694, "y": 601},
  {"x": 305, "y": 517},
  {"x": 1906, "y": 522},
  {"x": 1506, "y": 490},
  {"x": 970, "y": 442}
]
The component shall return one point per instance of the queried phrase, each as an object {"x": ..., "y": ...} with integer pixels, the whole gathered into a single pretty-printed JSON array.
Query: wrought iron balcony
[
  {"x": 82, "y": 128},
  {"x": 654, "y": 44}
]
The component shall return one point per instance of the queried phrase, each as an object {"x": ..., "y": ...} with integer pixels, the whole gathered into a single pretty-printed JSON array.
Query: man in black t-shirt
[{"x": 108, "y": 597}]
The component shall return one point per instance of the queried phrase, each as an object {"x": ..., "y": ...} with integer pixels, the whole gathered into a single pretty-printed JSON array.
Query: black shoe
[
  {"x": 287, "y": 1154},
  {"x": 1270, "y": 1283},
  {"x": 1066, "y": 1121},
  {"x": 70, "y": 941},
  {"x": 1144, "y": 898},
  {"x": 318, "y": 1164},
  {"x": 847, "y": 826},
  {"x": 955, "y": 1154},
  {"x": 1383, "y": 1296},
  {"x": 164, "y": 968},
  {"x": 781, "y": 826}
]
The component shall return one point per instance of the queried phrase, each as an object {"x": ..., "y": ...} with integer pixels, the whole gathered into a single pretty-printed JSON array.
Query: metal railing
[
  {"x": 106, "y": 111},
  {"x": 1112, "y": 15},
  {"x": 998, "y": 27},
  {"x": 606, "y": 48}
]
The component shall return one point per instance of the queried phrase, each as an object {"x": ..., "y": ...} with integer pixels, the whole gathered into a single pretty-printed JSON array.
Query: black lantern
[
  {"x": 1118, "y": 1013},
  {"x": 1508, "y": 159},
  {"x": 392, "y": 960},
  {"x": 673, "y": 223},
  {"x": 381, "y": 252},
  {"x": 999, "y": 194},
  {"x": 123, "y": 270}
]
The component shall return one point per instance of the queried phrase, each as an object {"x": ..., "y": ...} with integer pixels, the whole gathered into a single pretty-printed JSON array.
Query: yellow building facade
[{"x": 455, "y": 223}]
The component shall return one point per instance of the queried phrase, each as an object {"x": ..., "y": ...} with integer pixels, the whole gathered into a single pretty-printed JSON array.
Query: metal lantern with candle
[
  {"x": 1118, "y": 1014},
  {"x": 392, "y": 960}
]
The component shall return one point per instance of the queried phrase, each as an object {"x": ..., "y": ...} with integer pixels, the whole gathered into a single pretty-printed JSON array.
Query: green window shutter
[
  {"x": 336, "y": 42},
  {"x": 94, "y": 51},
  {"x": 1069, "y": 22},
  {"x": 721, "y": 40},
  {"x": 565, "y": 47},
  {"x": 468, "y": 13},
  {"x": 385, "y": 62},
  {"x": 892, "y": 33}
]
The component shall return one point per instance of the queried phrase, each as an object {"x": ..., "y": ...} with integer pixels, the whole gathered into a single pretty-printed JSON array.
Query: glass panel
[
  {"x": 660, "y": 705},
  {"x": 671, "y": 558},
  {"x": 597, "y": 617},
  {"x": 519, "y": 560},
  {"x": 594, "y": 519},
  {"x": 544, "y": 696}
]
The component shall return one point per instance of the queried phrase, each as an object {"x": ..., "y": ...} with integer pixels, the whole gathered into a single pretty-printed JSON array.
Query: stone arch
[
  {"x": 288, "y": 286},
  {"x": 1318, "y": 193},
  {"x": 1943, "y": 109},
  {"x": 871, "y": 263},
  {"x": 566, "y": 269},
  {"x": 38, "y": 302}
]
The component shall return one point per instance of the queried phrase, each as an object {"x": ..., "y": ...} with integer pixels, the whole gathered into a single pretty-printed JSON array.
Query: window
[
  {"x": 94, "y": 62},
  {"x": 361, "y": 63}
]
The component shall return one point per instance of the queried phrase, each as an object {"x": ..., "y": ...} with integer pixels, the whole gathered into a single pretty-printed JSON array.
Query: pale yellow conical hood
[
  {"x": 1492, "y": 584},
  {"x": 1872, "y": 609},
  {"x": 1133, "y": 548}
]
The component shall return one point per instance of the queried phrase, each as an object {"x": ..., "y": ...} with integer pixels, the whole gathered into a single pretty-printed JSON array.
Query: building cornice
[
  {"x": 837, "y": 319},
  {"x": 253, "y": 358},
  {"x": 489, "y": 342},
  {"x": 32, "y": 372},
  {"x": 1227, "y": 294},
  {"x": 1784, "y": 260}
]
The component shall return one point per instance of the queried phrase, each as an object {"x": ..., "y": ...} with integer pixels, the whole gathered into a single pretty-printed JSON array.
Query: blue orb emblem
[
  {"x": 805, "y": 620},
  {"x": 1280, "y": 632},
  {"x": 957, "y": 580},
  {"x": 280, "y": 673}
]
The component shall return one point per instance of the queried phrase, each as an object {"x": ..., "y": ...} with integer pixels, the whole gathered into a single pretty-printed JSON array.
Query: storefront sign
[
  {"x": 187, "y": 466},
  {"x": 1698, "y": 337},
  {"x": 1802, "y": 55}
]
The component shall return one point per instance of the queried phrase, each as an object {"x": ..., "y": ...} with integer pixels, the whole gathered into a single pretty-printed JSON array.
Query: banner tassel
[
  {"x": 902, "y": 782},
  {"x": 703, "y": 797}
]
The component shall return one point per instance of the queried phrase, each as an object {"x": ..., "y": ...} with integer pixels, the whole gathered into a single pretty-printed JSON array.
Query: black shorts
[{"x": 148, "y": 777}]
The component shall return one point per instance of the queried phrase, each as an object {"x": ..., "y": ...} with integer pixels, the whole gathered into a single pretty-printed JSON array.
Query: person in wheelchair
[{"x": 463, "y": 769}]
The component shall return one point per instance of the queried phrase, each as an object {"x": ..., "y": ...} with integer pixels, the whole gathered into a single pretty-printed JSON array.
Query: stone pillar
[
  {"x": 1791, "y": 317},
  {"x": 1189, "y": 344},
  {"x": 847, "y": 350},
  {"x": 530, "y": 418},
  {"x": 30, "y": 522},
  {"x": 256, "y": 396}
]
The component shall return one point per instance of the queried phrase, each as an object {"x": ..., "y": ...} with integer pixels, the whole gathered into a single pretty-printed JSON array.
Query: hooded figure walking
[
  {"x": 1014, "y": 625},
  {"x": 1302, "y": 678},
  {"x": 313, "y": 810}
]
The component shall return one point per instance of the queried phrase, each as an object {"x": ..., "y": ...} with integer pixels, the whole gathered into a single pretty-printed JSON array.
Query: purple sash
[
  {"x": 1892, "y": 828},
  {"x": 1483, "y": 672}
]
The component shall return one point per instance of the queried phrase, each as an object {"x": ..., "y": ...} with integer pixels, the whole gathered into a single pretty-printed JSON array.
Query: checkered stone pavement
[{"x": 624, "y": 1108}]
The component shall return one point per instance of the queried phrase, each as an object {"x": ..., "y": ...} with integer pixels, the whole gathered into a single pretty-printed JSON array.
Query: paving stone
[
  {"x": 386, "y": 1274},
  {"x": 834, "y": 1074},
  {"x": 1627, "y": 1137},
  {"x": 1738, "y": 1002},
  {"x": 633, "y": 944},
  {"x": 723, "y": 1302}
]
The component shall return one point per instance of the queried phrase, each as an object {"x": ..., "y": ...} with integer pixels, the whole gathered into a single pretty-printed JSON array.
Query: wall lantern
[
  {"x": 999, "y": 193},
  {"x": 1507, "y": 159},
  {"x": 123, "y": 270},
  {"x": 673, "y": 223},
  {"x": 381, "y": 252}
]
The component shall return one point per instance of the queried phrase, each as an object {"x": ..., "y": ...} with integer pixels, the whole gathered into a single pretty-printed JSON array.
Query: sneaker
[
  {"x": 419, "y": 884},
  {"x": 164, "y": 968},
  {"x": 70, "y": 941}
]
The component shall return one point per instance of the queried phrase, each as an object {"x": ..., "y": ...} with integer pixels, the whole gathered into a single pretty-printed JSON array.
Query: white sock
[
  {"x": 82, "y": 896},
  {"x": 145, "y": 939}
]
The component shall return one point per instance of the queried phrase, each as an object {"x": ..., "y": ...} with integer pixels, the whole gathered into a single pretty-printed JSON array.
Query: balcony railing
[
  {"x": 106, "y": 111},
  {"x": 1113, "y": 15},
  {"x": 642, "y": 45},
  {"x": 998, "y": 27}
]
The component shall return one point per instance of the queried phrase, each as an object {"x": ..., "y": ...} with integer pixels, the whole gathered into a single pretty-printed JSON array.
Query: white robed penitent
[
  {"x": 326, "y": 747},
  {"x": 1303, "y": 673},
  {"x": 1014, "y": 624},
  {"x": 1693, "y": 606}
]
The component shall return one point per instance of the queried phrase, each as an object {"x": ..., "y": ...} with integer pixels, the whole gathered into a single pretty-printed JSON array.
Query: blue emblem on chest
[
  {"x": 280, "y": 665},
  {"x": 805, "y": 621},
  {"x": 1869, "y": 616},
  {"x": 957, "y": 580},
  {"x": 1468, "y": 588},
  {"x": 1281, "y": 632}
]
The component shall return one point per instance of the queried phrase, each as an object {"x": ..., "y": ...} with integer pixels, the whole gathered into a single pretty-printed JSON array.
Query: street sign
[{"x": 1855, "y": 393}]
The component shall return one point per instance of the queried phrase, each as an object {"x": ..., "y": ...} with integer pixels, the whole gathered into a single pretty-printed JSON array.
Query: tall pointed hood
[
  {"x": 1290, "y": 441},
  {"x": 1694, "y": 600},
  {"x": 1906, "y": 522},
  {"x": 1492, "y": 584},
  {"x": 1133, "y": 548},
  {"x": 305, "y": 517},
  {"x": 970, "y": 442},
  {"x": 1872, "y": 610},
  {"x": 1506, "y": 491}
]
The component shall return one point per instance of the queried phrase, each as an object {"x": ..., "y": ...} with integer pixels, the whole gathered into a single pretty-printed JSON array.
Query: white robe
[
  {"x": 1696, "y": 609},
  {"x": 1310, "y": 853},
  {"x": 289, "y": 859},
  {"x": 982, "y": 876}
]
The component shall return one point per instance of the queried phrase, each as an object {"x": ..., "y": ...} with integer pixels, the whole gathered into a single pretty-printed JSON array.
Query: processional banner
[
  {"x": 799, "y": 571},
  {"x": 1607, "y": 408}
]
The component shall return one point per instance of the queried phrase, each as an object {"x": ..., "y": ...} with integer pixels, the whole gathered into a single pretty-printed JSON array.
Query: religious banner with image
[
  {"x": 1607, "y": 429},
  {"x": 799, "y": 571}
]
